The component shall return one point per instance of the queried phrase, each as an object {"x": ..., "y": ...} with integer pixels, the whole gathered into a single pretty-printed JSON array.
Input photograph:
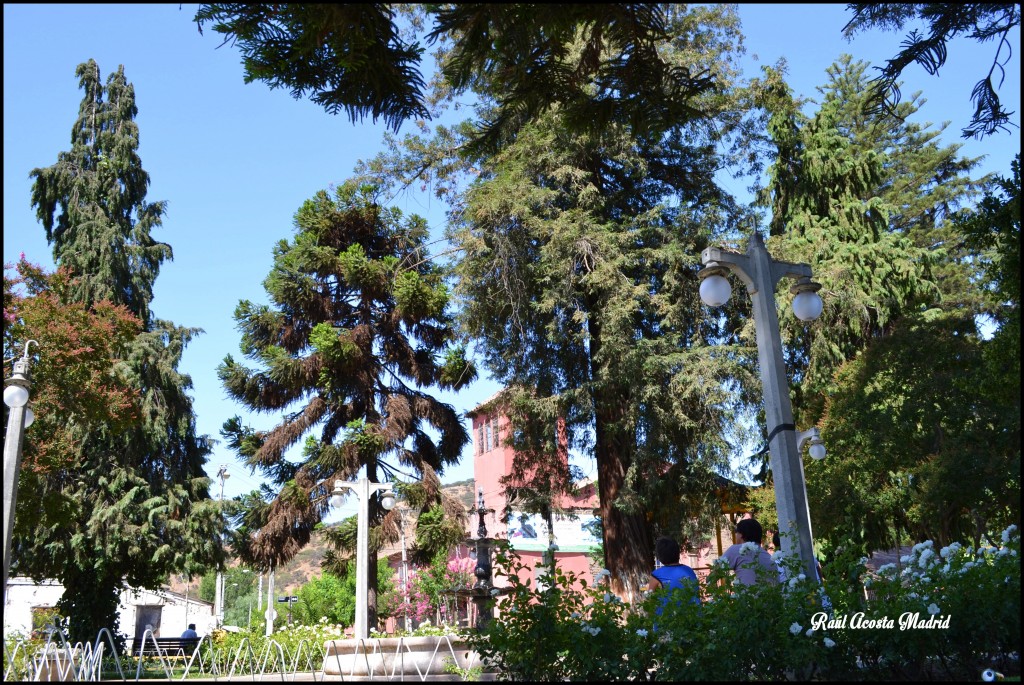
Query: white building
[{"x": 29, "y": 603}]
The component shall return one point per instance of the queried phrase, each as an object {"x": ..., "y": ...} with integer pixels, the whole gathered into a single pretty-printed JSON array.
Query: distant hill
[{"x": 306, "y": 564}]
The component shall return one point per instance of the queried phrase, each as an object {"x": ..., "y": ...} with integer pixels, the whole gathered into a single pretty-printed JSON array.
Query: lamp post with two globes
[
  {"x": 760, "y": 273},
  {"x": 363, "y": 490},
  {"x": 16, "y": 394}
]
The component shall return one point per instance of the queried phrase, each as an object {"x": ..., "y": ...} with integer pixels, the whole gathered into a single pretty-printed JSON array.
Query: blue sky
[{"x": 235, "y": 161}]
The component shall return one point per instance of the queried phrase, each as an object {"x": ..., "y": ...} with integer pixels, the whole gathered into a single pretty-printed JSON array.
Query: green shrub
[{"x": 771, "y": 631}]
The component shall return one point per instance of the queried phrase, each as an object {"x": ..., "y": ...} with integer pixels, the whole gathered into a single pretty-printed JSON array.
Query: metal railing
[{"x": 57, "y": 659}]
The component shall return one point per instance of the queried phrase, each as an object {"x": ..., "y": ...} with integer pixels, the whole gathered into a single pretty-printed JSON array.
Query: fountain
[
  {"x": 483, "y": 590},
  {"x": 428, "y": 655}
]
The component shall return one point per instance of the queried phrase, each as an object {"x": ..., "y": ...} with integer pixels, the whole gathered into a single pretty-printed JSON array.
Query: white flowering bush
[
  {"x": 772, "y": 631},
  {"x": 978, "y": 591}
]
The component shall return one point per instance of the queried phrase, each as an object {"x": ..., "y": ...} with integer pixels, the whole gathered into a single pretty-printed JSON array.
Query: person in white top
[{"x": 747, "y": 555}]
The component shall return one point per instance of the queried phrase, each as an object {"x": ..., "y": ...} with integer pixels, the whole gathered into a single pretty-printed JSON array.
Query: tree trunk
[{"x": 628, "y": 547}]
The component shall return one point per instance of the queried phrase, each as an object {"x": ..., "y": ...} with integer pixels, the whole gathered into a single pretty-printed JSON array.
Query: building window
[
  {"x": 480, "y": 439},
  {"x": 487, "y": 433},
  {"x": 494, "y": 432}
]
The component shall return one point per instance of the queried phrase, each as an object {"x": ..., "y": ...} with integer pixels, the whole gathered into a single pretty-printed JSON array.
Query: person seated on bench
[{"x": 190, "y": 633}]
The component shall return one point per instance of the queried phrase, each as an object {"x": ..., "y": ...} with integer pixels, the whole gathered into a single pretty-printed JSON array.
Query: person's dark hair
[
  {"x": 666, "y": 550},
  {"x": 750, "y": 529},
  {"x": 191, "y": 626},
  {"x": 776, "y": 543}
]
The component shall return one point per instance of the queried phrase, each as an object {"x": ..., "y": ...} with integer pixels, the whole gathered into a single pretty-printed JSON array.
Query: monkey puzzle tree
[{"x": 358, "y": 327}]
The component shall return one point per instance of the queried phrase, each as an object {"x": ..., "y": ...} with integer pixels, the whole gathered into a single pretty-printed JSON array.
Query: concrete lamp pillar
[
  {"x": 760, "y": 273},
  {"x": 363, "y": 490},
  {"x": 16, "y": 396}
]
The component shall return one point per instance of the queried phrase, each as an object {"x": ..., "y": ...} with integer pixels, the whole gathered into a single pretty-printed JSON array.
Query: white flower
[
  {"x": 829, "y": 643},
  {"x": 641, "y": 632},
  {"x": 1008, "y": 532},
  {"x": 905, "y": 559},
  {"x": 925, "y": 556},
  {"x": 810, "y": 632},
  {"x": 863, "y": 561},
  {"x": 913, "y": 595},
  {"x": 793, "y": 582},
  {"x": 749, "y": 548},
  {"x": 925, "y": 579},
  {"x": 1003, "y": 552},
  {"x": 574, "y": 614},
  {"x": 867, "y": 582},
  {"x": 795, "y": 628},
  {"x": 885, "y": 568},
  {"x": 594, "y": 630},
  {"x": 801, "y": 577},
  {"x": 721, "y": 561},
  {"x": 933, "y": 608}
]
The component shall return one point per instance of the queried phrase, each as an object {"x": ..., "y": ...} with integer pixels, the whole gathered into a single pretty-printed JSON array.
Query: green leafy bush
[{"x": 771, "y": 631}]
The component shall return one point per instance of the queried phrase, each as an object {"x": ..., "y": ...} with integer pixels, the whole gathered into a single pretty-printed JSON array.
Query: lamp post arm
[{"x": 744, "y": 266}]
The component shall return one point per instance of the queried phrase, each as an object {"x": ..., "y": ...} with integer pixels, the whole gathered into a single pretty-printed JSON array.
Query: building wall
[
  {"x": 492, "y": 460},
  {"x": 175, "y": 613}
]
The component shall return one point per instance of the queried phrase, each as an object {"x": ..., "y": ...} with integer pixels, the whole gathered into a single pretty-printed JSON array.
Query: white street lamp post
[
  {"x": 363, "y": 489},
  {"x": 218, "y": 601},
  {"x": 405, "y": 572},
  {"x": 760, "y": 273},
  {"x": 16, "y": 395},
  {"x": 270, "y": 614}
]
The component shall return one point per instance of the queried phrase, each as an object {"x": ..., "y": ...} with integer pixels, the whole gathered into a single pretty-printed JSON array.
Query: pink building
[
  {"x": 528, "y": 533},
  {"x": 493, "y": 459}
]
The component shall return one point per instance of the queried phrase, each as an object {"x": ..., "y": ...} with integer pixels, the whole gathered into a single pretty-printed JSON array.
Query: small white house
[{"x": 169, "y": 613}]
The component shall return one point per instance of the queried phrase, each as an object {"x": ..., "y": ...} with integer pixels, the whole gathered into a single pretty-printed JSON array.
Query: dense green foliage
[
  {"x": 771, "y": 631},
  {"x": 127, "y": 502},
  {"x": 598, "y": 63},
  {"x": 333, "y": 598},
  {"x": 359, "y": 325},
  {"x": 872, "y": 205},
  {"x": 918, "y": 445},
  {"x": 867, "y": 204},
  {"x": 945, "y": 21},
  {"x": 577, "y": 274}
]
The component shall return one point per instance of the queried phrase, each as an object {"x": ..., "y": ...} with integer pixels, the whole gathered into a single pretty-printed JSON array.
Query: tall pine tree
[
  {"x": 868, "y": 200},
  {"x": 132, "y": 505},
  {"x": 580, "y": 253},
  {"x": 358, "y": 328}
]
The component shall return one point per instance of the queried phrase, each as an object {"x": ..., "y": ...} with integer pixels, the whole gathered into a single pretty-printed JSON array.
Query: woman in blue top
[{"x": 672, "y": 574}]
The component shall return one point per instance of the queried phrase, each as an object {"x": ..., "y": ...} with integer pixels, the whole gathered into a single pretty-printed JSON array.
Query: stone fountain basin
[{"x": 397, "y": 656}]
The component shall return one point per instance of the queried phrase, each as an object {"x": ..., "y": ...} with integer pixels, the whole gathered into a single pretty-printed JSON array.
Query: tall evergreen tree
[
  {"x": 358, "y": 327},
  {"x": 578, "y": 273},
  {"x": 132, "y": 505},
  {"x": 92, "y": 202},
  {"x": 867, "y": 201}
]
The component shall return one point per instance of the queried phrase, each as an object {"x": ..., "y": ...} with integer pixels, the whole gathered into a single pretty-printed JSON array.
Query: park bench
[{"x": 167, "y": 646}]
